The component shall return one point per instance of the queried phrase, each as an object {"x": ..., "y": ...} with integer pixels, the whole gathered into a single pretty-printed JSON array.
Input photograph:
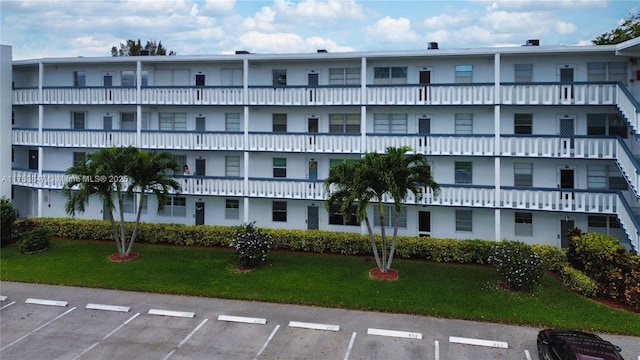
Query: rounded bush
[
  {"x": 34, "y": 240},
  {"x": 519, "y": 266},
  {"x": 576, "y": 280},
  {"x": 251, "y": 244}
]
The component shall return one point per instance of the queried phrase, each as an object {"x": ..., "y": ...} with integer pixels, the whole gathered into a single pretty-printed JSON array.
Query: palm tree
[
  {"x": 359, "y": 183},
  {"x": 100, "y": 174},
  {"x": 148, "y": 173}
]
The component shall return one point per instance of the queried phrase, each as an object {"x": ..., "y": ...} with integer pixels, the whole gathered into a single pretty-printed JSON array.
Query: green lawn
[{"x": 424, "y": 288}]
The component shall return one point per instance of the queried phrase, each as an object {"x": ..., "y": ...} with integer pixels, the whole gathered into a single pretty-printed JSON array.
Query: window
[
  {"x": 232, "y": 122},
  {"x": 280, "y": 167},
  {"x": 279, "y": 122},
  {"x": 232, "y": 166},
  {"x": 522, "y": 124},
  {"x": 181, "y": 160},
  {"x": 79, "y": 79},
  {"x": 336, "y": 217},
  {"x": 390, "y": 123},
  {"x": 128, "y": 78},
  {"x": 464, "y": 220},
  {"x": 607, "y": 71},
  {"x": 78, "y": 120},
  {"x": 390, "y": 216},
  {"x": 523, "y": 224},
  {"x": 464, "y": 74},
  {"x": 463, "y": 172},
  {"x": 523, "y": 72},
  {"x": 231, "y": 77},
  {"x": 605, "y": 177},
  {"x": 144, "y": 75},
  {"x": 390, "y": 75},
  {"x": 175, "y": 206},
  {"x": 279, "y": 77},
  {"x": 606, "y": 124},
  {"x": 232, "y": 209},
  {"x": 279, "y": 211},
  {"x": 78, "y": 158},
  {"x": 128, "y": 204},
  {"x": 173, "y": 121},
  {"x": 344, "y": 76},
  {"x": 128, "y": 121},
  {"x": 464, "y": 124},
  {"x": 523, "y": 174},
  {"x": 602, "y": 223},
  {"x": 344, "y": 123}
]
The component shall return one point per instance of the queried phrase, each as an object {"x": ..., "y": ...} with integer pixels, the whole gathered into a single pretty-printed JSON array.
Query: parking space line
[
  {"x": 314, "y": 326},
  {"x": 353, "y": 339},
  {"x": 470, "y": 341},
  {"x": 37, "y": 329},
  {"x": 185, "y": 314},
  {"x": 242, "y": 319},
  {"x": 91, "y": 306},
  {"x": 106, "y": 336},
  {"x": 3, "y": 298},
  {"x": 46, "y": 302},
  {"x": 264, "y": 346},
  {"x": 436, "y": 343},
  {"x": 9, "y": 304},
  {"x": 527, "y": 355},
  {"x": 185, "y": 339},
  {"x": 394, "y": 333}
]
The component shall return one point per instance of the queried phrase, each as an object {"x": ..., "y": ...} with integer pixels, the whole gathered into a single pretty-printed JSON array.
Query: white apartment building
[{"x": 526, "y": 142}]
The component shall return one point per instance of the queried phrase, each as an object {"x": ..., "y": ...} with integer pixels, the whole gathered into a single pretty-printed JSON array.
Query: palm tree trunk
[
  {"x": 373, "y": 242},
  {"x": 382, "y": 235},
  {"x": 135, "y": 226},
  {"x": 114, "y": 229},
  {"x": 396, "y": 222},
  {"x": 123, "y": 234}
]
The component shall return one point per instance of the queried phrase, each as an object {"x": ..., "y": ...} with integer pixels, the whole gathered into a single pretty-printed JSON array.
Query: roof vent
[
  {"x": 144, "y": 52},
  {"x": 432, "y": 46},
  {"x": 322, "y": 50},
  {"x": 242, "y": 52},
  {"x": 532, "y": 42}
]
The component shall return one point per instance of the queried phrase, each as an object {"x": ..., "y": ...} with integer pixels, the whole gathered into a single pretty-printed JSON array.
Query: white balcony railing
[
  {"x": 191, "y": 140},
  {"x": 310, "y": 143},
  {"x": 559, "y": 94},
  {"x": 192, "y": 96}
]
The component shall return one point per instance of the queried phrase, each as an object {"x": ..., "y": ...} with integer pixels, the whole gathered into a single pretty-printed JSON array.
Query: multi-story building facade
[{"x": 526, "y": 142}]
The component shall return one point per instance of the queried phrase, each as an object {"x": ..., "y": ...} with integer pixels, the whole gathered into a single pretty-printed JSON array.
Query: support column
[
  {"x": 245, "y": 137},
  {"x": 138, "y": 104},
  {"x": 497, "y": 150},
  {"x": 6, "y": 99}
]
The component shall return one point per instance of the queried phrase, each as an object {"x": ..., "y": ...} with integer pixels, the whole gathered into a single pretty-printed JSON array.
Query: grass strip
[{"x": 432, "y": 289}]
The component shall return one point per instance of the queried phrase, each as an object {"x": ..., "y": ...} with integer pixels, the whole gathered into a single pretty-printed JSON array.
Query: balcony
[
  {"x": 305, "y": 142},
  {"x": 192, "y": 96},
  {"x": 559, "y": 93}
]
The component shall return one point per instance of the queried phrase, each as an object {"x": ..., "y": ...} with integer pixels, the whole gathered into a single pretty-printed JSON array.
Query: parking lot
[{"x": 54, "y": 322}]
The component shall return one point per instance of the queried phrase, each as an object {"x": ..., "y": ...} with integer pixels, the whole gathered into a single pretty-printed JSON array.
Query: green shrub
[
  {"x": 518, "y": 265},
  {"x": 251, "y": 243},
  {"x": 578, "y": 281},
  {"x": 553, "y": 259},
  {"x": 34, "y": 240},
  {"x": 8, "y": 216},
  {"x": 632, "y": 285}
]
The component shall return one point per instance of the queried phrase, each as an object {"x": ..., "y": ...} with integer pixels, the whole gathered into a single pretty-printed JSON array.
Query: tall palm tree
[
  {"x": 100, "y": 174},
  {"x": 369, "y": 179},
  {"x": 410, "y": 173},
  {"x": 148, "y": 173}
]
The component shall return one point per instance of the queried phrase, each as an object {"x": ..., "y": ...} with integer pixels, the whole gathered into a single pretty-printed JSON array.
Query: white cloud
[
  {"x": 535, "y": 5},
  {"x": 318, "y": 10},
  {"x": 286, "y": 43},
  {"x": 393, "y": 30}
]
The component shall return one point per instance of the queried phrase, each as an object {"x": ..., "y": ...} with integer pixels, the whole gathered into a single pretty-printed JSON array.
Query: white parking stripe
[
  {"x": 9, "y": 304},
  {"x": 40, "y": 327},
  {"x": 107, "y": 307},
  {"x": 470, "y": 341},
  {"x": 437, "y": 349},
  {"x": 314, "y": 326},
  {"x": 3, "y": 298},
  {"x": 264, "y": 346},
  {"x": 171, "y": 313},
  {"x": 106, "y": 336},
  {"x": 46, "y": 302},
  {"x": 527, "y": 355},
  {"x": 394, "y": 333},
  {"x": 353, "y": 339},
  {"x": 242, "y": 319},
  {"x": 185, "y": 339}
]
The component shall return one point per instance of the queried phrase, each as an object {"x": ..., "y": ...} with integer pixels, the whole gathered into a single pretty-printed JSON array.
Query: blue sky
[{"x": 65, "y": 28}]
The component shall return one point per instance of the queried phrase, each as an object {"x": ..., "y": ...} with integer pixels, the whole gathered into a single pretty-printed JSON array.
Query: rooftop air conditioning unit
[
  {"x": 533, "y": 42},
  {"x": 432, "y": 46}
]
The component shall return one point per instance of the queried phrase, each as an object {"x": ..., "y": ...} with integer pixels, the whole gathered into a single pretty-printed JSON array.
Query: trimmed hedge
[
  {"x": 578, "y": 281},
  {"x": 34, "y": 241},
  {"x": 319, "y": 241}
]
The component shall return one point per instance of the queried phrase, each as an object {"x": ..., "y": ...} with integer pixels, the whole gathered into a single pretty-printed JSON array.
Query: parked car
[{"x": 575, "y": 345}]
